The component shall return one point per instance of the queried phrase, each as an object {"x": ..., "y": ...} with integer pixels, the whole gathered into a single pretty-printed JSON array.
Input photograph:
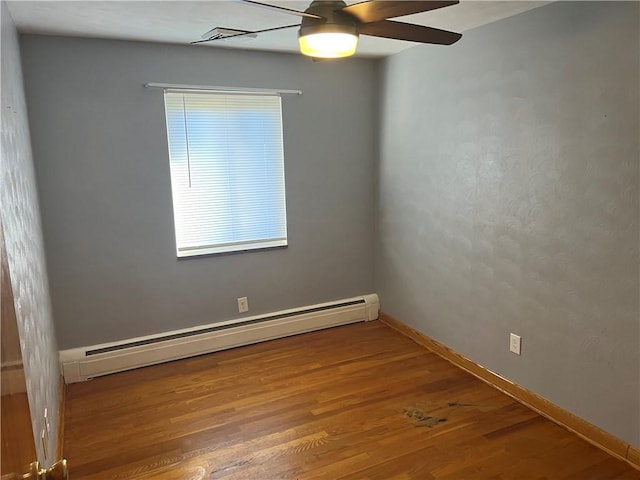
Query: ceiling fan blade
[
  {"x": 281, "y": 9},
  {"x": 409, "y": 32},
  {"x": 225, "y": 37},
  {"x": 376, "y": 10}
]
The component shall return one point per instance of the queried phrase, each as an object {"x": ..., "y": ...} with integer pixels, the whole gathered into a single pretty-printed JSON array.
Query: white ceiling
[{"x": 185, "y": 21}]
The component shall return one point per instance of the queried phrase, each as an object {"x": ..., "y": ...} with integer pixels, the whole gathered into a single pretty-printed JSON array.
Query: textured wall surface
[
  {"x": 99, "y": 141},
  {"x": 508, "y": 202},
  {"x": 25, "y": 252}
]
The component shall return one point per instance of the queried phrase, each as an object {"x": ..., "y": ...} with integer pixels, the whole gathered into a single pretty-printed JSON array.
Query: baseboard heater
[{"x": 80, "y": 364}]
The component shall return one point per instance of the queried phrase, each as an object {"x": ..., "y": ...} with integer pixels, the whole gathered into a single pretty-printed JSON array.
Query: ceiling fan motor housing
[{"x": 333, "y": 19}]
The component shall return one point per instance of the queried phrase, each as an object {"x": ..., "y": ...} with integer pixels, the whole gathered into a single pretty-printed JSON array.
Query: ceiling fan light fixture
[
  {"x": 328, "y": 41},
  {"x": 328, "y": 45}
]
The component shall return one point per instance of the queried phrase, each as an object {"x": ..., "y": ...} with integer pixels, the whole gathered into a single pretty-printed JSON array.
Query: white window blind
[{"x": 227, "y": 171}]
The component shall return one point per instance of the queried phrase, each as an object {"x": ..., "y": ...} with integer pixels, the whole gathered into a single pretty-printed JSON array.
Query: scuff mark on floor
[
  {"x": 426, "y": 415},
  {"x": 458, "y": 404},
  {"x": 422, "y": 419}
]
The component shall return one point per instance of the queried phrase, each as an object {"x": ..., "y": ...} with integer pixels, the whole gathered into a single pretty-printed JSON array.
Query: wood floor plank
[{"x": 354, "y": 402}]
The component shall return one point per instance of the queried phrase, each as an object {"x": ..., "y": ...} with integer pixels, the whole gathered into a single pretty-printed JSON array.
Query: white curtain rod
[{"x": 265, "y": 91}]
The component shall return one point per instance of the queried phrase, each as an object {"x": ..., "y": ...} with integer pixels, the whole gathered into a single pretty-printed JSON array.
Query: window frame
[{"x": 237, "y": 245}]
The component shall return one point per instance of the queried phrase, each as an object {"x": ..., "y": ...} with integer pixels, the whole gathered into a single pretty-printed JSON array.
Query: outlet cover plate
[
  {"x": 515, "y": 343},
  {"x": 243, "y": 304}
]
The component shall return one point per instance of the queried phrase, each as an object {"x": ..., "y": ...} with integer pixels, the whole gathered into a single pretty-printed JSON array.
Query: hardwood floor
[{"x": 354, "y": 402}]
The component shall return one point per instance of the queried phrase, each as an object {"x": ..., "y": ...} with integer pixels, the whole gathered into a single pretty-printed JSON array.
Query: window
[{"x": 227, "y": 171}]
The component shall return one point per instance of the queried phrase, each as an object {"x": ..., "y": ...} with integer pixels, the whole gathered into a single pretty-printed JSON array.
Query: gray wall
[
  {"x": 508, "y": 202},
  {"x": 99, "y": 141},
  {"x": 25, "y": 251}
]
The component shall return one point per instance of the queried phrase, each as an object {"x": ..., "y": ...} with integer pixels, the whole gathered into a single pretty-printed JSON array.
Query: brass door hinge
[{"x": 57, "y": 471}]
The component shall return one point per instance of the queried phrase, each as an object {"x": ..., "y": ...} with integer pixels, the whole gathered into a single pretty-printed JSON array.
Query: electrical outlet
[
  {"x": 243, "y": 305},
  {"x": 515, "y": 342}
]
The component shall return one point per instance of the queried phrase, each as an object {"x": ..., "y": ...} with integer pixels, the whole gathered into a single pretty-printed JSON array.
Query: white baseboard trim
[{"x": 80, "y": 364}]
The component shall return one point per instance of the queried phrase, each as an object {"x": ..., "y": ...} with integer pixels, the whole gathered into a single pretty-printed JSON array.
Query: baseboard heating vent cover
[{"x": 80, "y": 364}]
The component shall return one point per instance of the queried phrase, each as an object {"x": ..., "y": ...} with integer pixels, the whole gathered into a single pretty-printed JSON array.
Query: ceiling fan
[{"x": 330, "y": 28}]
